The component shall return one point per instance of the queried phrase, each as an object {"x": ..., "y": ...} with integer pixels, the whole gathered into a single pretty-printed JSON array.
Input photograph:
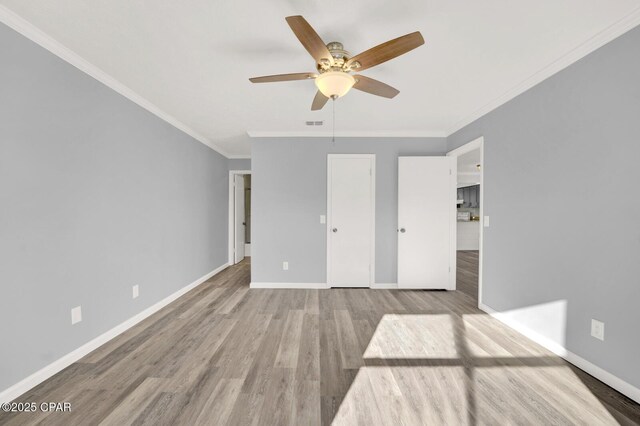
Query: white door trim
[
  {"x": 232, "y": 215},
  {"x": 372, "y": 254},
  {"x": 470, "y": 146}
]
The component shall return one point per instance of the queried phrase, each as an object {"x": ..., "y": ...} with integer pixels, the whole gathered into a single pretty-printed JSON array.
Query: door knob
[
  {"x": 334, "y": 230},
  {"x": 403, "y": 230}
]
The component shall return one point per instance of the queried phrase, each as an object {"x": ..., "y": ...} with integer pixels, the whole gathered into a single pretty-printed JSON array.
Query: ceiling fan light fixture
[
  {"x": 335, "y": 64},
  {"x": 335, "y": 84}
]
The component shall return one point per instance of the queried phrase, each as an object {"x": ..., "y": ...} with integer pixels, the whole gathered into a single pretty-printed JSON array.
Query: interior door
[
  {"x": 426, "y": 222},
  {"x": 239, "y": 227},
  {"x": 351, "y": 220}
]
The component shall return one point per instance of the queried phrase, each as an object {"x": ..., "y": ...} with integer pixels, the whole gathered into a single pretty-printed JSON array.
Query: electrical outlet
[
  {"x": 135, "y": 291},
  {"x": 323, "y": 219},
  {"x": 597, "y": 329},
  {"x": 76, "y": 315},
  {"x": 285, "y": 266}
]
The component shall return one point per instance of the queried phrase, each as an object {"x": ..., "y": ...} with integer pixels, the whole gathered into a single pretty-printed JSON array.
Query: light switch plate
[
  {"x": 76, "y": 315},
  {"x": 135, "y": 291},
  {"x": 486, "y": 221},
  {"x": 323, "y": 219},
  {"x": 597, "y": 329},
  {"x": 285, "y": 266}
]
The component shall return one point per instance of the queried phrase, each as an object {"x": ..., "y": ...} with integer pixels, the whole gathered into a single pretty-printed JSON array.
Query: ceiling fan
[{"x": 335, "y": 65}]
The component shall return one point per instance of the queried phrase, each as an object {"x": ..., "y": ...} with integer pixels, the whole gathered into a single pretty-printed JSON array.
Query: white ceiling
[{"x": 191, "y": 59}]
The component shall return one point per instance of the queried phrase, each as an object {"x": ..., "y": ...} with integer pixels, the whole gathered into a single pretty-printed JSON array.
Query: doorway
[
  {"x": 239, "y": 215},
  {"x": 470, "y": 217},
  {"x": 350, "y": 220}
]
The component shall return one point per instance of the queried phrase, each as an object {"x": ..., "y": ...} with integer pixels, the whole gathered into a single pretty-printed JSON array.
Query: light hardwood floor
[
  {"x": 224, "y": 354},
  {"x": 467, "y": 272}
]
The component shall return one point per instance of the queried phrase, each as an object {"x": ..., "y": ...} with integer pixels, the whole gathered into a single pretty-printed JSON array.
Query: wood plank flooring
[
  {"x": 467, "y": 272},
  {"x": 224, "y": 354}
]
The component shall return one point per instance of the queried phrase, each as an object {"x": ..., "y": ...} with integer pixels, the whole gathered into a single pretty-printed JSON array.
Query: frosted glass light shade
[{"x": 334, "y": 83}]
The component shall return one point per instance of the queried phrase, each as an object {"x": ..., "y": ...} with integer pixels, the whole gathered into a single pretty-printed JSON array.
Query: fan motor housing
[
  {"x": 337, "y": 50},
  {"x": 340, "y": 58}
]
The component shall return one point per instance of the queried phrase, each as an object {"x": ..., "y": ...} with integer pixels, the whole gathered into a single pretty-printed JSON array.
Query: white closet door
[
  {"x": 351, "y": 220},
  {"x": 239, "y": 217},
  {"x": 426, "y": 222}
]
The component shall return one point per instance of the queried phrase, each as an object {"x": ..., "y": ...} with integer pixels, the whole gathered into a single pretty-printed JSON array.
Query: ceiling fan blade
[
  {"x": 386, "y": 51},
  {"x": 309, "y": 38},
  {"x": 319, "y": 101},
  {"x": 283, "y": 77},
  {"x": 374, "y": 87}
]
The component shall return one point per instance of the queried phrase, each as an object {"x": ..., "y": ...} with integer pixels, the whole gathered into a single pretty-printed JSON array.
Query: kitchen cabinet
[
  {"x": 473, "y": 196},
  {"x": 470, "y": 195},
  {"x": 476, "y": 193},
  {"x": 468, "y": 235}
]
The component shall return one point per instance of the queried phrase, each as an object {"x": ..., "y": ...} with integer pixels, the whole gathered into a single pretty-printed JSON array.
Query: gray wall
[
  {"x": 290, "y": 193},
  {"x": 561, "y": 188},
  {"x": 239, "y": 164},
  {"x": 96, "y": 195}
]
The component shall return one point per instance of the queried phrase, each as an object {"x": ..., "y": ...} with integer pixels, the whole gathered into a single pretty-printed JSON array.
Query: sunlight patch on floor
[
  {"x": 405, "y": 395},
  {"x": 442, "y": 369},
  {"x": 413, "y": 336},
  {"x": 458, "y": 395}
]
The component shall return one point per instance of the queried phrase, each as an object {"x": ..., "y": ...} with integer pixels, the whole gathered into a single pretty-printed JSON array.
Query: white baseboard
[
  {"x": 597, "y": 372},
  {"x": 60, "y": 364},
  {"x": 604, "y": 376},
  {"x": 526, "y": 331},
  {"x": 289, "y": 285},
  {"x": 377, "y": 286},
  {"x": 384, "y": 286}
]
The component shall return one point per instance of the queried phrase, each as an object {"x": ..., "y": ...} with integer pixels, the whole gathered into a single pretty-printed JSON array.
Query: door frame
[
  {"x": 372, "y": 254},
  {"x": 232, "y": 213},
  {"x": 477, "y": 143}
]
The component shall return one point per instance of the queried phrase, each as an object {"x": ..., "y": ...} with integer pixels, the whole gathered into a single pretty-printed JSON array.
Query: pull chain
[{"x": 333, "y": 137}]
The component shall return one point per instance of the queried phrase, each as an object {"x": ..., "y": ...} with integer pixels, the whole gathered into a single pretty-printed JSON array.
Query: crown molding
[
  {"x": 354, "y": 134},
  {"x": 30, "y": 31},
  {"x": 600, "y": 39}
]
